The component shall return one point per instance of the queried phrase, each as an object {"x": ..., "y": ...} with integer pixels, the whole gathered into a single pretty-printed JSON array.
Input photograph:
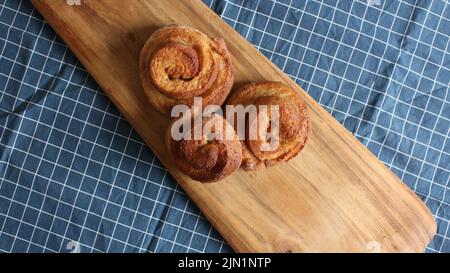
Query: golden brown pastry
[
  {"x": 207, "y": 160},
  {"x": 294, "y": 123},
  {"x": 179, "y": 62}
]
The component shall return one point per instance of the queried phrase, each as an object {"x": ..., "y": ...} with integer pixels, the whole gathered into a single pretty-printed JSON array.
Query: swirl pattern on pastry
[
  {"x": 294, "y": 123},
  {"x": 179, "y": 62},
  {"x": 207, "y": 159}
]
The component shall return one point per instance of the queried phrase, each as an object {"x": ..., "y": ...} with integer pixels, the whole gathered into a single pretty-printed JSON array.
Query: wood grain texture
[{"x": 336, "y": 196}]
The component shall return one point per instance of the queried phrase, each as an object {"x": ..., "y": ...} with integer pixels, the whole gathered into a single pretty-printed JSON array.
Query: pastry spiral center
[
  {"x": 207, "y": 159},
  {"x": 184, "y": 66},
  {"x": 178, "y": 61},
  {"x": 200, "y": 154}
]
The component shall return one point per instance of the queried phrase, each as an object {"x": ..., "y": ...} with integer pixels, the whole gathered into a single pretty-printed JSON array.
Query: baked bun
[
  {"x": 210, "y": 158},
  {"x": 179, "y": 63},
  {"x": 294, "y": 123}
]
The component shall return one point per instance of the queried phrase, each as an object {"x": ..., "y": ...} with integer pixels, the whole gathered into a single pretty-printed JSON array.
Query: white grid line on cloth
[
  {"x": 291, "y": 44},
  {"x": 267, "y": 23},
  {"x": 209, "y": 235},
  {"x": 252, "y": 20},
  {"x": 4, "y": 46},
  {"x": 402, "y": 84},
  {"x": 126, "y": 193},
  {"x": 179, "y": 223},
  {"x": 166, "y": 211},
  {"x": 38, "y": 53},
  {"x": 37, "y": 227},
  {"x": 448, "y": 182},
  {"x": 440, "y": 114},
  {"x": 308, "y": 42},
  {"x": 46, "y": 143},
  {"x": 426, "y": 105},
  {"x": 192, "y": 236},
  {"x": 152, "y": 213},
  {"x": 283, "y": 22},
  {"x": 1, "y": 98},
  {"x": 101, "y": 170},
  {"x": 371, "y": 90},
  {"x": 9, "y": 158},
  {"x": 70, "y": 167},
  {"x": 337, "y": 50},
  {"x": 32, "y": 182},
  {"x": 15, "y": 60},
  {"x": 409, "y": 109},
  {"x": 375, "y": 7},
  {"x": 363, "y": 65},
  {"x": 59, "y": 153}
]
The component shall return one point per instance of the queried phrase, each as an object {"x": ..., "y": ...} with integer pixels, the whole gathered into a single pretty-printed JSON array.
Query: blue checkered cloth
[{"x": 75, "y": 177}]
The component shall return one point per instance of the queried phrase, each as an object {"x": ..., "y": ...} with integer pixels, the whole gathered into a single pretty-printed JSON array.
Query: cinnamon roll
[
  {"x": 293, "y": 127},
  {"x": 179, "y": 63},
  {"x": 207, "y": 158}
]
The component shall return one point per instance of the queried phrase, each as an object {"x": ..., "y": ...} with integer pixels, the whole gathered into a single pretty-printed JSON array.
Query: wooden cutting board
[{"x": 335, "y": 196}]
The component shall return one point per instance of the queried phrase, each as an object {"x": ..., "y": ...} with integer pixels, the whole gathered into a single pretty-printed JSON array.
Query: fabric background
[{"x": 74, "y": 176}]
